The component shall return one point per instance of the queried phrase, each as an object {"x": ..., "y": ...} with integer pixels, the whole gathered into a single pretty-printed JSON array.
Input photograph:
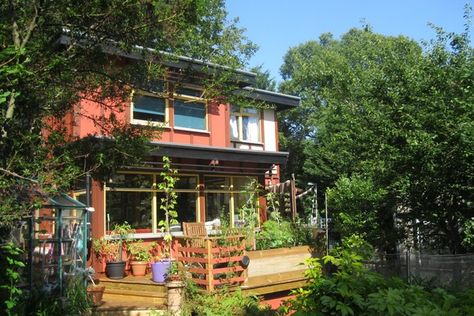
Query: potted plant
[
  {"x": 168, "y": 203},
  {"x": 175, "y": 287},
  {"x": 140, "y": 257},
  {"x": 94, "y": 291},
  {"x": 174, "y": 273},
  {"x": 110, "y": 249}
]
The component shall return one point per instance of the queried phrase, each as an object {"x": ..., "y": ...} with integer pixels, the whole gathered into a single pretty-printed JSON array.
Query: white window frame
[{"x": 240, "y": 125}]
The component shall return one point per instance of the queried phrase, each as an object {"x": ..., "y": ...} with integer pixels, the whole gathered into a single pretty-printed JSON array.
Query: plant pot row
[{"x": 160, "y": 269}]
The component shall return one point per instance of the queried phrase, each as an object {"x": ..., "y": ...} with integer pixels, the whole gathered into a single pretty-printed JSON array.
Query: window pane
[
  {"x": 186, "y": 182},
  {"x": 185, "y": 206},
  {"x": 217, "y": 183},
  {"x": 130, "y": 181},
  {"x": 217, "y": 206},
  {"x": 190, "y": 92},
  {"x": 242, "y": 183},
  {"x": 235, "y": 109},
  {"x": 250, "y": 111},
  {"x": 133, "y": 207},
  {"x": 189, "y": 114},
  {"x": 234, "y": 127},
  {"x": 149, "y": 108},
  {"x": 250, "y": 128}
]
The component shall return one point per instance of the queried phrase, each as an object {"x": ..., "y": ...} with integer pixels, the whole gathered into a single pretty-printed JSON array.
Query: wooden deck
[{"x": 269, "y": 272}]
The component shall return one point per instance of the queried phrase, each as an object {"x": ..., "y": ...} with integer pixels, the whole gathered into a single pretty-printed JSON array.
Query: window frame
[
  {"x": 232, "y": 191},
  {"x": 240, "y": 130},
  {"x": 157, "y": 95},
  {"x": 154, "y": 191},
  {"x": 188, "y": 99}
]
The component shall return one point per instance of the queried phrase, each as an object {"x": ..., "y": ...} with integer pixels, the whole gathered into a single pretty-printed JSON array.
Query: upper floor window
[
  {"x": 245, "y": 124},
  {"x": 189, "y": 109},
  {"x": 149, "y": 108}
]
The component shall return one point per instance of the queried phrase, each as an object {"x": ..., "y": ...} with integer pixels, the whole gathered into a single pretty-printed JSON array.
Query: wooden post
[
  {"x": 210, "y": 266},
  {"x": 293, "y": 196}
]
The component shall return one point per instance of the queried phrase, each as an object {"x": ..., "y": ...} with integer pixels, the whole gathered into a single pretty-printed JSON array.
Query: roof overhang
[
  {"x": 241, "y": 77},
  {"x": 219, "y": 153},
  {"x": 280, "y": 100}
]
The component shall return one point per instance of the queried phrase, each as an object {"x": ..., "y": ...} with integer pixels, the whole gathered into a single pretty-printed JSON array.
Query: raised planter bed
[{"x": 278, "y": 260}]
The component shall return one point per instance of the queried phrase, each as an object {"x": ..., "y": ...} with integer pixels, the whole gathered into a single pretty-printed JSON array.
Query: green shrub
[
  {"x": 222, "y": 302},
  {"x": 278, "y": 232},
  {"x": 339, "y": 284},
  {"x": 10, "y": 278}
]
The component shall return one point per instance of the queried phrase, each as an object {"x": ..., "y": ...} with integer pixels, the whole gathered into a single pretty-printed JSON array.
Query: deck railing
[{"x": 214, "y": 261}]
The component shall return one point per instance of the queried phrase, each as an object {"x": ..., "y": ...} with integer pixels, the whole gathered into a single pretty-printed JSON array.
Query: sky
[{"x": 277, "y": 25}]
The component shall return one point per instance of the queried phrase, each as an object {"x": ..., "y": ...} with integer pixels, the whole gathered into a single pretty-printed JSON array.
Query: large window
[
  {"x": 189, "y": 109},
  {"x": 245, "y": 124},
  {"x": 149, "y": 108},
  {"x": 226, "y": 198},
  {"x": 135, "y": 198},
  {"x": 187, "y": 105}
]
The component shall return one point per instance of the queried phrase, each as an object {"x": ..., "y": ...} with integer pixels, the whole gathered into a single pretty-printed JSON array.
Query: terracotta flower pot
[
  {"x": 139, "y": 267},
  {"x": 96, "y": 293}
]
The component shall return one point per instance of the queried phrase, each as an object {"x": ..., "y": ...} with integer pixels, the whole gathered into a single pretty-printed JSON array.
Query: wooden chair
[{"x": 193, "y": 229}]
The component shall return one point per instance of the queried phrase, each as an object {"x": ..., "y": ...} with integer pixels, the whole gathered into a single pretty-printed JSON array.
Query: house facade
[{"x": 217, "y": 147}]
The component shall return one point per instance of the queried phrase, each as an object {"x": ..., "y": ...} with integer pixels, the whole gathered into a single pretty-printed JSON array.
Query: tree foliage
[
  {"x": 43, "y": 75},
  {"x": 389, "y": 124}
]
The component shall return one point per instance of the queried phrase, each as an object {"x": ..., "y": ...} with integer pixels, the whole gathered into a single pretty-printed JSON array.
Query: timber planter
[{"x": 278, "y": 260}]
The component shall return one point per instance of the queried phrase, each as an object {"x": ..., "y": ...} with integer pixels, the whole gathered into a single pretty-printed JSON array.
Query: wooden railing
[{"x": 214, "y": 261}]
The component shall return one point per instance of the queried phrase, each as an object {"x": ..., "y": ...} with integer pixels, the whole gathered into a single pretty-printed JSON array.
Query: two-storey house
[{"x": 217, "y": 147}]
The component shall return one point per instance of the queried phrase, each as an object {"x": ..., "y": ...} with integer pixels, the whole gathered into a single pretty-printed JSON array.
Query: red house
[{"x": 217, "y": 148}]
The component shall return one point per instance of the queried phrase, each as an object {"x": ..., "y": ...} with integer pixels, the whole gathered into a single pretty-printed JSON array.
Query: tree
[
  {"x": 389, "y": 124},
  {"x": 52, "y": 53},
  {"x": 264, "y": 81}
]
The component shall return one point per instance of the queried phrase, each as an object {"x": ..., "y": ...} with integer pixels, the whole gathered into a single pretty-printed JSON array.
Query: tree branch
[{"x": 16, "y": 175}]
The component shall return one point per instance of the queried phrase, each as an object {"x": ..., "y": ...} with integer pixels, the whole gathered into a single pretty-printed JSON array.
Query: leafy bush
[
  {"x": 10, "y": 278},
  {"x": 278, "y": 232},
  {"x": 221, "y": 303},
  {"x": 354, "y": 290}
]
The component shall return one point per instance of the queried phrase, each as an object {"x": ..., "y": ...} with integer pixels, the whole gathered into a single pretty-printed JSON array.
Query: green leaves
[
  {"x": 386, "y": 123},
  {"x": 343, "y": 286}
]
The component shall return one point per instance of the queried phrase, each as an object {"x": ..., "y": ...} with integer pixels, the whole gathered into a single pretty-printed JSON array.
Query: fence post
[
  {"x": 407, "y": 260},
  {"x": 210, "y": 266}
]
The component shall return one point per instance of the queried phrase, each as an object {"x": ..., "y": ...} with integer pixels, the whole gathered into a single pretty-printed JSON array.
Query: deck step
[
  {"x": 139, "y": 288},
  {"x": 131, "y": 292},
  {"x": 132, "y": 296}
]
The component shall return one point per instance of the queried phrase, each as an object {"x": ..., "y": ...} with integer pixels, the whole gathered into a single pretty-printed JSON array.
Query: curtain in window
[
  {"x": 250, "y": 128},
  {"x": 234, "y": 129}
]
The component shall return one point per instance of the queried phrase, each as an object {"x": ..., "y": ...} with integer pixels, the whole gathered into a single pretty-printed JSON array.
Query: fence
[
  {"x": 214, "y": 261},
  {"x": 440, "y": 270}
]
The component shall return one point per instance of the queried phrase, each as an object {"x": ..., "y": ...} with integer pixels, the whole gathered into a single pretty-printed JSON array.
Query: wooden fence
[{"x": 214, "y": 261}]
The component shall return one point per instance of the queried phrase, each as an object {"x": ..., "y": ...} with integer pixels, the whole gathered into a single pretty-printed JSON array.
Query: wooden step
[{"x": 132, "y": 296}]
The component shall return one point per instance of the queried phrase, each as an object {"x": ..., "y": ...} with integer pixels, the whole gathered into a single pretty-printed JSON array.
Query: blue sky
[{"x": 277, "y": 25}]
